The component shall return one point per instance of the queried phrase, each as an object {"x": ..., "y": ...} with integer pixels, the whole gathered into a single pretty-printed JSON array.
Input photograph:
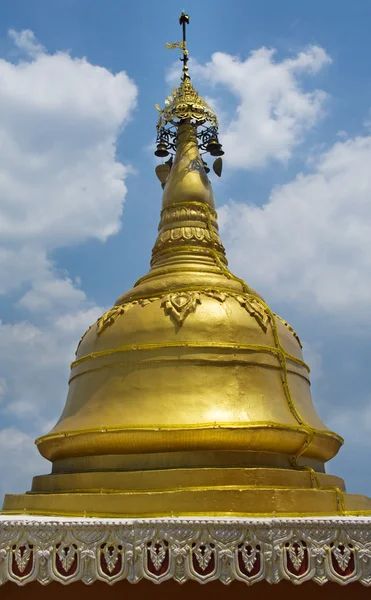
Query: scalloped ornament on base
[{"x": 272, "y": 550}]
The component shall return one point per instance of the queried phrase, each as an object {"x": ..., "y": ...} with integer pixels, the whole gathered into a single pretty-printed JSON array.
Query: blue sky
[{"x": 79, "y": 201}]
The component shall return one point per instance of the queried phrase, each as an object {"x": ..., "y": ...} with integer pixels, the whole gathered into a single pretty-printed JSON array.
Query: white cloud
[
  {"x": 60, "y": 184},
  {"x": 311, "y": 242},
  {"x": 51, "y": 294},
  {"x": 59, "y": 119},
  {"x": 34, "y": 361},
  {"x": 354, "y": 425},
  {"x": 313, "y": 357},
  {"x": 34, "y": 370},
  {"x": 3, "y": 388},
  {"x": 273, "y": 110},
  {"x": 26, "y": 41},
  {"x": 19, "y": 459}
]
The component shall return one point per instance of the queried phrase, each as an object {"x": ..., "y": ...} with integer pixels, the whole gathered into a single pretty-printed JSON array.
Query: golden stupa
[{"x": 189, "y": 396}]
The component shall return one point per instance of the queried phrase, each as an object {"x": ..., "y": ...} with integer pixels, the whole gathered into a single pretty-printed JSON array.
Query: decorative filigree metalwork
[
  {"x": 166, "y": 136},
  {"x": 181, "y": 45},
  {"x": 185, "y": 103}
]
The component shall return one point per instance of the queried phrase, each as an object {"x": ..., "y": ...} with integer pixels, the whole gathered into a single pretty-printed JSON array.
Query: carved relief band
[{"x": 249, "y": 550}]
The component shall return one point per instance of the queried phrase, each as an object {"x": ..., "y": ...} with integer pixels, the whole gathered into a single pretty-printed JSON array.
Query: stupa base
[{"x": 189, "y": 492}]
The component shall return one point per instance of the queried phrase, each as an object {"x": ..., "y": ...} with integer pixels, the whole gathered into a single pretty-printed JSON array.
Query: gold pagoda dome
[{"x": 189, "y": 396}]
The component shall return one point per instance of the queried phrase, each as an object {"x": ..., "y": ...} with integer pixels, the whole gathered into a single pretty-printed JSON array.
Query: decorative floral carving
[
  {"x": 296, "y": 552},
  {"x": 342, "y": 555},
  {"x": 22, "y": 555},
  {"x": 109, "y": 317},
  {"x": 249, "y": 556},
  {"x": 255, "y": 309},
  {"x": 198, "y": 549},
  {"x": 111, "y": 553},
  {"x": 180, "y": 304},
  {"x": 186, "y": 234},
  {"x": 220, "y": 296},
  {"x": 66, "y": 555},
  {"x": 189, "y": 235},
  {"x": 172, "y": 214},
  {"x": 157, "y": 552},
  {"x": 203, "y": 553}
]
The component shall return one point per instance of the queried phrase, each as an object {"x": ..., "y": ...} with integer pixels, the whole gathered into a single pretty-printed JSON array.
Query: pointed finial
[
  {"x": 183, "y": 20},
  {"x": 184, "y": 102}
]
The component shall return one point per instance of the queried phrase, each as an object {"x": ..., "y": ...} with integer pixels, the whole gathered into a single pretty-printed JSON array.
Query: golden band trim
[
  {"x": 180, "y": 249},
  {"x": 178, "y": 489},
  {"x": 149, "y": 515},
  {"x": 206, "y": 345},
  {"x": 197, "y": 359},
  {"x": 192, "y": 427},
  {"x": 204, "y": 207},
  {"x": 171, "y": 271}
]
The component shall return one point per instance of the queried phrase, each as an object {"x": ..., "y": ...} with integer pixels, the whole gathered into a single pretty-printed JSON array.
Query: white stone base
[{"x": 46, "y": 549}]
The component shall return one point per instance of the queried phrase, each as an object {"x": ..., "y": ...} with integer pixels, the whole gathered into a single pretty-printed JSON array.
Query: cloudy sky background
[{"x": 79, "y": 201}]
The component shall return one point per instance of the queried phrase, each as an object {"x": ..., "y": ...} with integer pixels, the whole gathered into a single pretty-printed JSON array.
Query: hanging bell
[
  {"x": 214, "y": 147},
  {"x": 162, "y": 150},
  {"x": 206, "y": 168}
]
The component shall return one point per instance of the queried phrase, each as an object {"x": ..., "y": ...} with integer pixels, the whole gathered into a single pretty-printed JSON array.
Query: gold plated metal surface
[
  {"x": 189, "y": 396},
  {"x": 185, "y": 103},
  {"x": 232, "y": 501}
]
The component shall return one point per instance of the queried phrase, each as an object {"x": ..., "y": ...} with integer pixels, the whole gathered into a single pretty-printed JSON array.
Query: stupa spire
[{"x": 187, "y": 129}]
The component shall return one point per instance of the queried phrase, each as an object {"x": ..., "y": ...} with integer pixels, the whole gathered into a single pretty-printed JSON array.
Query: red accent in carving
[
  {"x": 305, "y": 562},
  {"x": 58, "y": 563},
  {"x": 210, "y": 567},
  {"x": 351, "y": 564},
  {"x": 103, "y": 563},
  {"x": 165, "y": 563},
  {"x": 15, "y": 569},
  {"x": 241, "y": 565}
]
